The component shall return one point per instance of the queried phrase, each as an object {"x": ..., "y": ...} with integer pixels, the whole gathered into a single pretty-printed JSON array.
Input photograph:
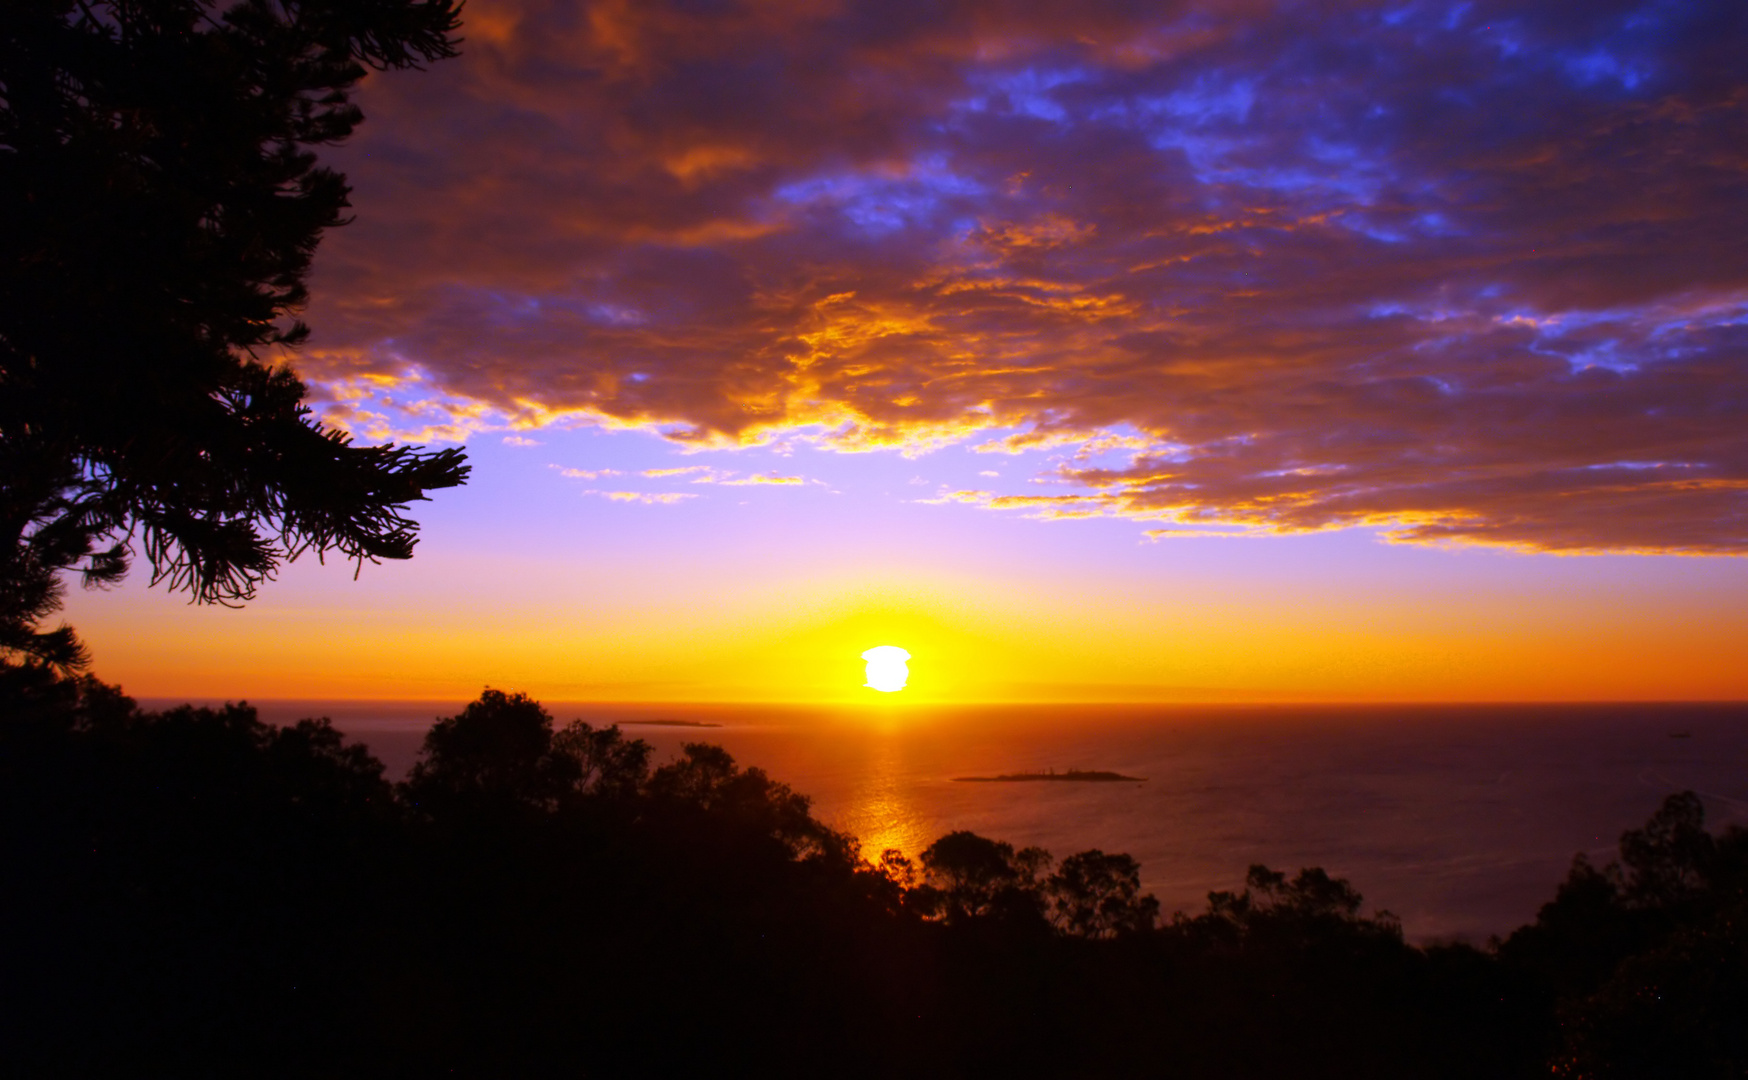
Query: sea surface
[{"x": 1461, "y": 820}]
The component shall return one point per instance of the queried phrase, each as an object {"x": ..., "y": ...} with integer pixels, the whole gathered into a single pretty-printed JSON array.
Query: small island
[
  {"x": 1074, "y": 775},
  {"x": 666, "y": 723}
]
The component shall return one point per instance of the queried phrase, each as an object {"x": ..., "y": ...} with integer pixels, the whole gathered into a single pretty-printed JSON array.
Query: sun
[{"x": 886, "y": 670}]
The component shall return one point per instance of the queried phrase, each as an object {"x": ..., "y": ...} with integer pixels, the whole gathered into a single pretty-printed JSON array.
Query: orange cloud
[
  {"x": 661, "y": 498},
  {"x": 703, "y": 471},
  {"x": 762, "y": 479},
  {"x": 586, "y": 474}
]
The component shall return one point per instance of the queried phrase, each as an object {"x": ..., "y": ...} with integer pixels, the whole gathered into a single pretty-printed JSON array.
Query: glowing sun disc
[{"x": 886, "y": 670}]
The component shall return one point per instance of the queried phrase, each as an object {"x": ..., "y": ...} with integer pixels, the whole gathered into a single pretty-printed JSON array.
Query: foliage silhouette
[
  {"x": 498, "y": 748},
  {"x": 161, "y": 208},
  {"x": 191, "y": 882},
  {"x": 969, "y": 876},
  {"x": 1097, "y": 895},
  {"x": 601, "y": 761},
  {"x": 1644, "y": 962},
  {"x": 208, "y": 895},
  {"x": 706, "y": 779},
  {"x": 1669, "y": 863}
]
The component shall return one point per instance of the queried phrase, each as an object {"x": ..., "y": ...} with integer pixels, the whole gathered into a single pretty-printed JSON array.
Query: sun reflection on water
[{"x": 878, "y": 812}]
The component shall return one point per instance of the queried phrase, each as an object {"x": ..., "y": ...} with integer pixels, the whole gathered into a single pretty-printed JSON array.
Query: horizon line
[{"x": 202, "y": 699}]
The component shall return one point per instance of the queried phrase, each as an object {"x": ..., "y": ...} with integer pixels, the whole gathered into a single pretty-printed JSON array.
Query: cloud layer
[{"x": 1467, "y": 272}]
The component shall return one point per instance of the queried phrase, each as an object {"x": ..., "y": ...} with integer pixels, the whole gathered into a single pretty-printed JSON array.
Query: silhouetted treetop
[
  {"x": 1275, "y": 909},
  {"x": 706, "y": 777},
  {"x": 160, "y": 204},
  {"x": 496, "y": 747},
  {"x": 601, "y": 761},
  {"x": 1649, "y": 954},
  {"x": 502, "y": 749},
  {"x": 967, "y": 876},
  {"x": 1096, "y": 895},
  {"x": 1672, "y": 859}
]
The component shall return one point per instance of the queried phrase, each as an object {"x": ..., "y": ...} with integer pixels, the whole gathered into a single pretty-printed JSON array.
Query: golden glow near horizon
[
  {"x": 887, "y": 672},
  {"x": 776, "y": 600},
  {"x": 438, "y": 628}
]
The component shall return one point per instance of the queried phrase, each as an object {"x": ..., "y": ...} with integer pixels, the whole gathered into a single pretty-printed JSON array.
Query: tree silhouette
[
  {"x": 1669, "y": 861},
  {"x": 159, "y": 208},
  {"x": 1277, "y": 912},
  {"x": 601, "y": 761},
  {"x": 1096, "y": 895},
  {"x": 706, "y": 778},
  {"x": 1646, "y": 959},
  {"x": 967, "y": 876},
  {"x": 497, "y": 749},
  {"x": 199, "y": 893}
]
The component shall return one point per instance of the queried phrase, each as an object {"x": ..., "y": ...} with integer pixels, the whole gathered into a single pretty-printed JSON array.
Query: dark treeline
[{"x": 194, "y": 893}]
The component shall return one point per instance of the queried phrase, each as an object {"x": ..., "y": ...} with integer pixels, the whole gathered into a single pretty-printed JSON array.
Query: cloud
[
  {"x": 1466, "y": 274},
  {"x": 705, "y": 474},
  {"x": 697, "y": 473},
  {"x": 975, "y": 498},
  {"x": 586, "y": 474},
  {"x": 680, "y": 472},
  {"x": 763, "y": 479},
  {"x": 518, "y": 440},
  {"x": 660, "y": 498},
  {"x": 1202, "y": 534}
]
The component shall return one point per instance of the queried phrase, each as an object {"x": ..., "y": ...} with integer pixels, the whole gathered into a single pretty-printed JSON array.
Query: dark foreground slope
[{"x": 194, "y": 893}]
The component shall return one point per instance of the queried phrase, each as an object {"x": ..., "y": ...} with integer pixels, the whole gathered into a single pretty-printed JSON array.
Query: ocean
[{"x": 1461, "y": 820}]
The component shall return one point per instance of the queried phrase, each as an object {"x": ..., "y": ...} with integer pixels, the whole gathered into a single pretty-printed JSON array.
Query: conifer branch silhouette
[{"x": 161, "y": 206}]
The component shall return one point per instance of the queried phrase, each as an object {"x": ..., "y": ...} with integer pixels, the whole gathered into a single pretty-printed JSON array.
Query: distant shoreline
[
  {"x": 1072, "y": 776},
  {"x": 665, "y": 723}
]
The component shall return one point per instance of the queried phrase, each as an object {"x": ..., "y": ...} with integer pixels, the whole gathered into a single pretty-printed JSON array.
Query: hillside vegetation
[{"x": 196, "y": 893}]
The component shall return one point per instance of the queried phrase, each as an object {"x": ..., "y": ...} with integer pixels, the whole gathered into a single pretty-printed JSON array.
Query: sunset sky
[{"x": 1103, "y": 351}]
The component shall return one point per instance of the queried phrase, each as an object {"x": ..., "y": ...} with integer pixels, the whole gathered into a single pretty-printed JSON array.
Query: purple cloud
[{"x": 1465, "y": 272}]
